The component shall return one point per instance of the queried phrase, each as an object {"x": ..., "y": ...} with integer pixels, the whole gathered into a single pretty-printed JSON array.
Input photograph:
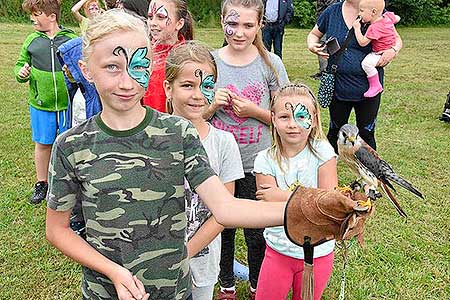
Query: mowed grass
[{"x": 402, "y": 259}]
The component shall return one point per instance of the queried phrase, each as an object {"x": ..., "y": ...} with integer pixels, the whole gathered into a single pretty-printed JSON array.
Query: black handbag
[{"x": 327, "y": 78}]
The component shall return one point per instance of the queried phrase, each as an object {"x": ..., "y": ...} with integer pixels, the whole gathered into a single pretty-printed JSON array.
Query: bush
[
  {"x": 421, "y": 12},
  {"x": 11, "y": 10},
  {"x": 206, "y": 13},
  {"x": 304, "y": 13}
]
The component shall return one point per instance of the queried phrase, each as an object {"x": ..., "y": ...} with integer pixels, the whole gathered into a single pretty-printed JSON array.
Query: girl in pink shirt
[{"x": 381, "y": 33}]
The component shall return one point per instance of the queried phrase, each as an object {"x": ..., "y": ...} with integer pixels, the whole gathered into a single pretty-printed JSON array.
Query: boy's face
[
  {"x": 42, "y": 22},
  {"x": 119, "y": 68}
]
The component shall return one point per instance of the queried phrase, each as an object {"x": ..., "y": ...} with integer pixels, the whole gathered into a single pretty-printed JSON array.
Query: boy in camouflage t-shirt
[{"x": 132, "y": 189}]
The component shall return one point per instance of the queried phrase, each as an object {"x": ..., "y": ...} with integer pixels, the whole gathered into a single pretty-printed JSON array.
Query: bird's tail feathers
[
  {"x": 405, "y": 184},
  {"x": 393, "y": 200}
]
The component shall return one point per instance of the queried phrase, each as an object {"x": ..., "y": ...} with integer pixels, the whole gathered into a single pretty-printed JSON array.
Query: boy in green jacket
[{"x": 48, "y": 99}]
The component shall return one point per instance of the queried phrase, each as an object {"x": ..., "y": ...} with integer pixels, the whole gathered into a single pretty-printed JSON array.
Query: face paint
[
  {"x": 162, "y": 13},
  {"x": 300, "y": 114},
  {"x": 137, "y": 66},
  {"x": 206, "y": 85},
  {"x": 152, "y": 12},
  {"x": 230, "y": 22}
]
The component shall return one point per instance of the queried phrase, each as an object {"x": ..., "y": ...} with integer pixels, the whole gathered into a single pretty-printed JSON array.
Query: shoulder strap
[{"x": 350, "y": 35}]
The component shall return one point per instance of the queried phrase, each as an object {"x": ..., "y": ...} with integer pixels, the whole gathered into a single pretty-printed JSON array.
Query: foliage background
[{"x": 207, "y": 12}]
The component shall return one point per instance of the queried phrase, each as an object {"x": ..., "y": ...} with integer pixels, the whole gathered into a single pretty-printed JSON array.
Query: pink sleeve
[
  {"x": 372, "y": 33},
  {"x": 391, "y": 16}
]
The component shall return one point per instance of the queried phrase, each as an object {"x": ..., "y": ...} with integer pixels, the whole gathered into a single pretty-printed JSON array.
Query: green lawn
[{"x": 403, "y": 259}]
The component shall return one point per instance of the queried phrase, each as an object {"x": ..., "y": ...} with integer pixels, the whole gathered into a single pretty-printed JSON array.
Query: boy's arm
[
  {"x": 232, "y": 212},
  {"x": 362, "y": 40},
  {"x": 207, "y": 232},
  {"x": 22, "y": 69},
  {"x": 60, "y": 235},
  {"x": 76, "y": 8}
]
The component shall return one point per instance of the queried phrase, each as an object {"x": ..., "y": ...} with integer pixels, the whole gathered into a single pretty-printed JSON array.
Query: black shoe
[
  {"x": 445, "y": 116},
  {"x": 39, "y": 193},
  {"x": 79, "y": 228},
  {"x": 316, "y": 76}
]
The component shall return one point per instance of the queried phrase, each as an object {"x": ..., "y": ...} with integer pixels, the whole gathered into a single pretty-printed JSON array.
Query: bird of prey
[{"x": 369, "y": 166}]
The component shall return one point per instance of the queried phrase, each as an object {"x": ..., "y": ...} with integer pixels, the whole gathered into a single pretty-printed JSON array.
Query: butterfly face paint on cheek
[
  {"x": 230, "y": 22},
  {"x": 137, "y": 65},
  {"x": 206, "y": 85},
  {"x": 301, "y": 114}
]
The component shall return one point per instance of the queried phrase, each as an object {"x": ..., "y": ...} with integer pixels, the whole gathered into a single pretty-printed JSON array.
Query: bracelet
[{"x": 395, "y": 50}]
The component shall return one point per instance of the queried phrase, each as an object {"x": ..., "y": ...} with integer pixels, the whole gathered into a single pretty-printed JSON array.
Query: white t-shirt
[
  {"x": 304, "y": 170},
  {"x": 225, "y": 160}
]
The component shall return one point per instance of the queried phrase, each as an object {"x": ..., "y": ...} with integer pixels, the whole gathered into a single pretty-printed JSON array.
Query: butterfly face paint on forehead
[
  {"x": 230, "y": 21},
  {"x": 206, "y": 85},
  {"x": 137, "y": 65},
  {"x": 301, "y": 114}
]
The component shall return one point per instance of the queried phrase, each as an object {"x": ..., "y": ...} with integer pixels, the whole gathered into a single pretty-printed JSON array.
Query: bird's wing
[
  {"x": 389, "y": 174},
  {"x": 368, "y": 162},
  {"x": 382, "y": 170}
]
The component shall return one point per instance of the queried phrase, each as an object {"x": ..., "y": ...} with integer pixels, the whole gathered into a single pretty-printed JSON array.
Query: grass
[{"x": 403, "y": 259}]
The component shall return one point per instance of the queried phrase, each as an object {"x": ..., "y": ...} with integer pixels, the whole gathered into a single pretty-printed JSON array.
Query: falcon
[{"x": 369, "y": 166}]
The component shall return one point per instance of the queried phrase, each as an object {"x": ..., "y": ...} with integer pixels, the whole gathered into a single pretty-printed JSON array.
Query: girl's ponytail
[
  {"x": 183, "y": 13},
  {"x": 188, "y": 28}
]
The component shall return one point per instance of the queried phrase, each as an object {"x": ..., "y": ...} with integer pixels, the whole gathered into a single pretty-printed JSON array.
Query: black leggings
[
  {"x": 245, "y": 188},
  {"x": 366, "y": 112}
]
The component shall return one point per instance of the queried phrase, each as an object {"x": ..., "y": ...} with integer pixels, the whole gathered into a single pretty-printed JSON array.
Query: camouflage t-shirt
[{"x": 131, "y": 185}]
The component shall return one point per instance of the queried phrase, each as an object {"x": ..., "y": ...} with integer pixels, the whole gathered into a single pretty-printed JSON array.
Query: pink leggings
[{"x": 280, "y": 272}]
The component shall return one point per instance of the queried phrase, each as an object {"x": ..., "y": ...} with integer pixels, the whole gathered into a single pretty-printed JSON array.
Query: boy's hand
[
  {"x": 25, "y": 71},
  {"x": 128, "y": 287}
]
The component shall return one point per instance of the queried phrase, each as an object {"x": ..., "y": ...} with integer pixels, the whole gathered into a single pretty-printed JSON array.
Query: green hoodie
[{"x": 47, "y": 87}]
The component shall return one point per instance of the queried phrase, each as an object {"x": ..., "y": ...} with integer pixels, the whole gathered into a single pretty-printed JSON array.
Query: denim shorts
[{"x": 46, "y": 125}]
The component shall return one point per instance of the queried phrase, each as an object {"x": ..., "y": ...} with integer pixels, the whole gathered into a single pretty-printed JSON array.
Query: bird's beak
[{"x": 351, "y": 139}]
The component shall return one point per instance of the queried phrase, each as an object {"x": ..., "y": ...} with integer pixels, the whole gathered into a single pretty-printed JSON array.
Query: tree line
[{"x": 207, "y": 12}]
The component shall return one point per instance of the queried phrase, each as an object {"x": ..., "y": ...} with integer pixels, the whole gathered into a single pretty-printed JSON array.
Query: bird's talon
[
  {"x": 363, "y": 205},
  {"x": 345, "y": 189}
]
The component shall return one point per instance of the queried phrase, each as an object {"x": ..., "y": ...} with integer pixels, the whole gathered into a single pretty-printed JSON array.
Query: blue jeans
[{"x": 273, "y": 34}]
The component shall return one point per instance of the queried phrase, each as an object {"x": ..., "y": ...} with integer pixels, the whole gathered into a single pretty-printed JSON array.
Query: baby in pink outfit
[{"x": 381, "y": 33}]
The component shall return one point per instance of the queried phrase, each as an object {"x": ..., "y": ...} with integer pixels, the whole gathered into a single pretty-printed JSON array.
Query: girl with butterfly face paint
[
  {"x": 300, "y": 155},
  {"x": 170, "y": 24},
  {"x": 248, "y": 77},
  {"x": 190, "y": 78}
]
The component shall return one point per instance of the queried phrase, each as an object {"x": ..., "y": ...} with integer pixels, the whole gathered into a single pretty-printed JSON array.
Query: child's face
[
  {"x": 163, "y": 23},
  {"x": 42, "y": 22},
  {"x": 366, "y": 13},
  {"x": 240, "y": 26},
  {"x": 293, "y": 118},
  {"x": 93, "y": 10},
  {"x": 191, "y": 91},
  {"x": 119, "y": 68}
]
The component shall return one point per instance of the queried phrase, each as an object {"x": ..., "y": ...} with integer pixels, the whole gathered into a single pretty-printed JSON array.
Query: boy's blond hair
[
  {"x": 113, "y": 20},
  {"x": 48, "y": 7}
]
